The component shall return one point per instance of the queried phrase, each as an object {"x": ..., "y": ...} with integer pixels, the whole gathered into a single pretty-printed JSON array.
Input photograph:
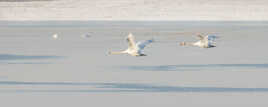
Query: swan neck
[
  {"x": 187, "y": 44},
  {"x": 120, "y": 52}
]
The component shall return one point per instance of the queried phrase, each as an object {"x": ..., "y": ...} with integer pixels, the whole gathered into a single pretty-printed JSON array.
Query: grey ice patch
[
  {"x": 122, "y": 87},
  {"x": 26, "y": 57},
  {"x": 196, "y": 67}
]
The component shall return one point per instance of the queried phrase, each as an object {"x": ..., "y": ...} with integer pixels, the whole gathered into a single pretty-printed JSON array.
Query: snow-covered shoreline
[{"x": 215, "y": 10}]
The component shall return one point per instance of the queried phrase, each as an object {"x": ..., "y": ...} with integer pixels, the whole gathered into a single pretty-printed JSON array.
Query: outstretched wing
[
  {"x": 131, "y": 41},
  {"x": 200, "y": 37},
  {"x": 141, "y": 45},
  {"x": 211, "y": 39}
]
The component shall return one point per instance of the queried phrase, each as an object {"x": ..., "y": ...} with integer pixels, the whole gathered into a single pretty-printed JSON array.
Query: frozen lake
[{"x": 37, "y": 70}]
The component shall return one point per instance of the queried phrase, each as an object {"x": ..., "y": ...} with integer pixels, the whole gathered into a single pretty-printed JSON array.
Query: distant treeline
[{"x": 23, "y": 0}]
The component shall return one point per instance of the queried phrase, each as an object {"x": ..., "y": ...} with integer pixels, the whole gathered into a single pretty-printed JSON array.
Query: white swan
[
  {"x": 204, "y": 42},
  {"x": 134, "y": 49}
]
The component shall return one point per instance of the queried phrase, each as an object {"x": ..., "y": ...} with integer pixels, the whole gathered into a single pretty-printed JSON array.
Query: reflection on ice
[
  {"x": 122, "y": 87},
  {"x": 196, "y": 67},
  {"x": 24, "y": 57}
]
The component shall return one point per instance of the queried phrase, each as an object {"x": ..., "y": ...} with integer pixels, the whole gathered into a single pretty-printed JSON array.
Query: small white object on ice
[
  {"x": 85, "y": 36},
  {"x": 55, "y": 36}
]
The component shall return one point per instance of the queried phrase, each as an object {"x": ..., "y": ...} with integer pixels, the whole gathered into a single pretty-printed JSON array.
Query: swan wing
[
  {"x": 141, "y": 45},
  {"x": 211, "y": 39},
  {"x": 200, "y": 37},
  {"x": 131, "y": 41}
]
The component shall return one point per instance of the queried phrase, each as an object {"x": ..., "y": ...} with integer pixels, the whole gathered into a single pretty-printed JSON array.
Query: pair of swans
[{"x": 136, "y": 49}]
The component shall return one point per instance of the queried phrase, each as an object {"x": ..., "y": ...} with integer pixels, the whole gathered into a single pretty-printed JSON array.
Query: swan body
[
  {"x": 134, "y": 49},
  {"x": 204, "y": 42}
]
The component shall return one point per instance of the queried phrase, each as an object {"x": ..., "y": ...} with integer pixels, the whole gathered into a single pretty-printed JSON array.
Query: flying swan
[
  {"x": 204, "y": 42},
  {"x": 134, "y": 49}
]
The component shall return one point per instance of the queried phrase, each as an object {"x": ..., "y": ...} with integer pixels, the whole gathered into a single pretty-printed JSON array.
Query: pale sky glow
[{"x": 244, "y": 10}]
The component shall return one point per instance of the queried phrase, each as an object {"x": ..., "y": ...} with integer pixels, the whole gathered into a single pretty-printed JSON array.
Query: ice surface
[
  {"x": 245, "y": 10},
  {"x": 37, "y": 70}
]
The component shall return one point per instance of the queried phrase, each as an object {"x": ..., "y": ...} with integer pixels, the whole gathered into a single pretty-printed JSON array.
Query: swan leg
[
  {"x": 212, "y": 46},
  {"x": 142, "y": 55}
]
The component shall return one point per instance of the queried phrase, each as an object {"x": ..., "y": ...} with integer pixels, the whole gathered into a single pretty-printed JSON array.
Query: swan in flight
[
  {"x": 204, "y": 42},
  {"x": 134, "y": 49}
]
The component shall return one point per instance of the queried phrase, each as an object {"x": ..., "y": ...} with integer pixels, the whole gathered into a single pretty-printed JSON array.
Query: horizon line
[{"x": 136, "y": 20}]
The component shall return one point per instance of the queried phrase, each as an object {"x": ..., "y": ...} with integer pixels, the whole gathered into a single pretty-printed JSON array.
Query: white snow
[{"x": 244, "y": 10}]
